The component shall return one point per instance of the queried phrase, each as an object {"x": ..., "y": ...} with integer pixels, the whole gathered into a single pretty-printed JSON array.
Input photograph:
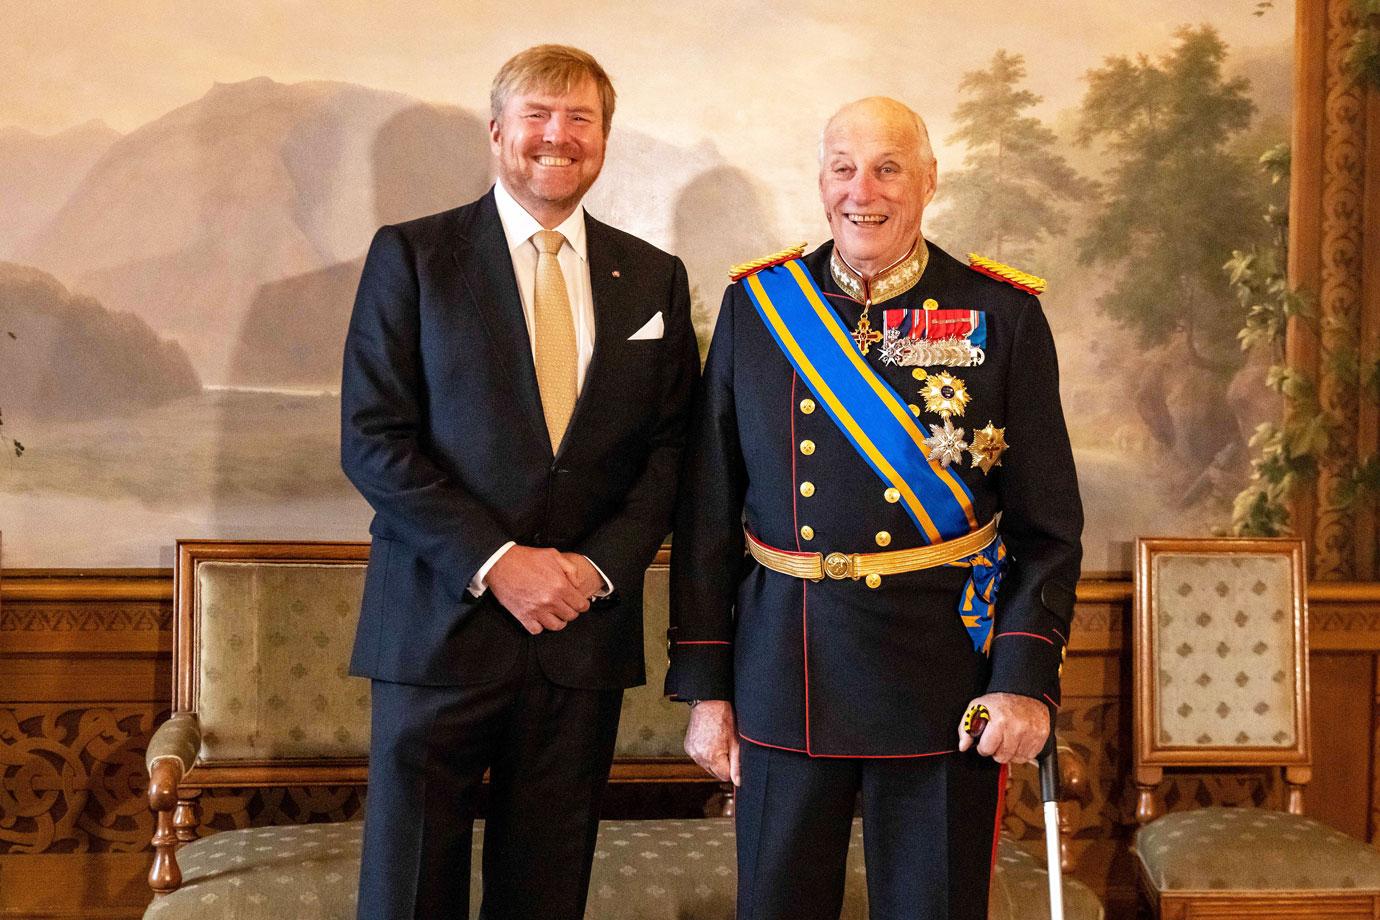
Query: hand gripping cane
[{"x": 974, "y": 721}]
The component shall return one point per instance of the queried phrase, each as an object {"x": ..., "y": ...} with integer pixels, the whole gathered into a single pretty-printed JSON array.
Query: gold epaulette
[
  {"x": 743, "y": 269},
  {"x": 1012, "y": 276}
]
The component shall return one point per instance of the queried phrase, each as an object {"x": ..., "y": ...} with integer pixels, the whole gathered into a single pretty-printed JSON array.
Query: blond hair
[{"x": 550, "y": 68}]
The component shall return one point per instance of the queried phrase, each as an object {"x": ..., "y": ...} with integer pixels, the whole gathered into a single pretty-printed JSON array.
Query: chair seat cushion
[
  {"x": 643, "y": 870},
  {"x": 1252, "y": 849},
  {"x": 1020, "y": 888}
]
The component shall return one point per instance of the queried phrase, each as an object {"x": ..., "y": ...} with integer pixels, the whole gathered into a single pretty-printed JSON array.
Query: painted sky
[{"x": 679, "y": 67}]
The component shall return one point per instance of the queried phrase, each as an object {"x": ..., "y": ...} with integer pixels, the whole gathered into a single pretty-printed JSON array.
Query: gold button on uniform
[
  {"x": 930, "y": 304},
  {"x": 919, "y": 373},
  {"x": 892, "y": 495},
  {"x": 914, "y": 410},
  {"x": 807, "y": 532},
  {"x": 807, "y": 489},
  {"x": 807, "y": 406},
  {"x": 883, "y": 538},
  {"x": 874, "y": 580},
  {"x": 807, "y": 447}
]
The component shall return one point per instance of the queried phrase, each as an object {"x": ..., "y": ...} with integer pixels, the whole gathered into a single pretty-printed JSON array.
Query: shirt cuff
[
  {"x": 608, "y": 585},
  {"x": 479, "y": 583}
]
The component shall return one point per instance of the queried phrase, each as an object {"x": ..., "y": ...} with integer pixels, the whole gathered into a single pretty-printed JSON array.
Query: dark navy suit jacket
[
  {"x": 835, "y": 668},
  {"x": 442, "y": 432}
]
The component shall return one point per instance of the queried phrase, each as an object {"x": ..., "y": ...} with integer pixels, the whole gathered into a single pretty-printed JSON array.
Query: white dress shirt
[{"x": 518, "y": 228}]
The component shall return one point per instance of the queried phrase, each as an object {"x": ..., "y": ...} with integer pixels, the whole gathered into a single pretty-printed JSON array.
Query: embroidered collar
[{"x": 892, "y": 281}]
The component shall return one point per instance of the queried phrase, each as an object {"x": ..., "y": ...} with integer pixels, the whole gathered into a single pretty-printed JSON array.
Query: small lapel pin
[{"x": 617, "y": 273}]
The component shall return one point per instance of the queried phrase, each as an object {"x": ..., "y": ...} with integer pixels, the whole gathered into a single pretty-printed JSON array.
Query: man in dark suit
[
  {"x": 516, "y": 386},
  {"x": 867, "y": 412}
]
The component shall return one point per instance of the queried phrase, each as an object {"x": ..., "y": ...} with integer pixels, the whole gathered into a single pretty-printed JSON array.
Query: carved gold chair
[
  {"x": 261, "y": 698},
  {"x": 1221, "y": 680}
]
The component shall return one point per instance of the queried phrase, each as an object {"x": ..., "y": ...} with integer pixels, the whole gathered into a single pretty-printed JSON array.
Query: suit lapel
[
  {"x": 487, "y": 269},
  {"x": 606, "y": 289}
]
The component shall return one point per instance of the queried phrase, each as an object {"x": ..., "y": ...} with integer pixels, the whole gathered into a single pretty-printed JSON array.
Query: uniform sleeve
[
  {"x": 707, "y": 546},
  {"x": 1041, "y": 523}
]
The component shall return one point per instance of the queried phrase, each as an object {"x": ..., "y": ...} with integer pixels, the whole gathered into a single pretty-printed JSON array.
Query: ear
[
  {"x": 495, "y": 136},
  {"x": 933, "y": 180}
]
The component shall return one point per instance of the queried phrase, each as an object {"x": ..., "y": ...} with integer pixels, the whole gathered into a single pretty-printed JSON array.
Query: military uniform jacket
[{"x": 834, "y": 668}]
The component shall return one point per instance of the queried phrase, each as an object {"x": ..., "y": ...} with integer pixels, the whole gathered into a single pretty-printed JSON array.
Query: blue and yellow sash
[{"x": 878, "y": 423}]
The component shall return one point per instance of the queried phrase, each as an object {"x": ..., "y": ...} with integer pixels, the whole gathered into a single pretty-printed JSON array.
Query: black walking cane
[{"x": 974, "y": 721}]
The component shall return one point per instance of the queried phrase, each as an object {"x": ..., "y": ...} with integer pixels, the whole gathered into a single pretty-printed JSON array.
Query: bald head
[
  {"x": 876, "y": 175},
  {"x": 879, "y": 114}
]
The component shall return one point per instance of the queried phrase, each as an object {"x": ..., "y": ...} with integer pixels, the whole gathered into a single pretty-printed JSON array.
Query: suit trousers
[
  {"x": 548, "y": 750},
  {"x": 928, "y": 833}
]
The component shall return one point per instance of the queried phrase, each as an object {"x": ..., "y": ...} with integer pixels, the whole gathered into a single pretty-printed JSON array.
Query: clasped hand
[{"x": 543, "y": 588}]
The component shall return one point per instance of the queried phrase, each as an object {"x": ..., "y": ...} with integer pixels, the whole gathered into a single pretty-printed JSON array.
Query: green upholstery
[
  {"x": 1020, "y": 889},
  {"x": 1237, "y": 849},
  {"x": 643, "y": 870},
  {"x": 274, "y": 646},
  {"x": 1225, "y": 651}
]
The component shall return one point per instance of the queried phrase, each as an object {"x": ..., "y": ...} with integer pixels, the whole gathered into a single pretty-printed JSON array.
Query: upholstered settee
[
  {"x": 643, "y": 870},
  {"x": 262, "y": 698}
]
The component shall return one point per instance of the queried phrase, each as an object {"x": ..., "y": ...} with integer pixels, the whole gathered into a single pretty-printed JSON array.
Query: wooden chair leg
[
  {"x": 1295, "y": 778},
  {"x": 720, "y": 804},
  {"x": 1147, "y": 778},
  {"x": 186, "y": 818}
]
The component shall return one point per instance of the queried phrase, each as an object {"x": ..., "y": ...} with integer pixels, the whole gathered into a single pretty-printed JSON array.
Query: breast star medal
[
  {"x": 944, "y": 394},
  {"x": 946, "y": 444},
  {"x": 988, "y": 445}
]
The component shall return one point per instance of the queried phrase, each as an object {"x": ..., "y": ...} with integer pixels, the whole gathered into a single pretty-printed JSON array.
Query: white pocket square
[{"x": 654, "y": 328}]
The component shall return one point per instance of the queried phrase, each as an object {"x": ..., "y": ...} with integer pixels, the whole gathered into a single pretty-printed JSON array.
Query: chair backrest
[
  {"x": 1221, "y": 657},
  {"x": 262, "y": 640}
]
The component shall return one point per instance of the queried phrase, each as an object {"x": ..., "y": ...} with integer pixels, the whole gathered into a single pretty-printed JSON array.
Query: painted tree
[
  {"x": 1013, "y": 188},
  {"x": 1177, "y": 200}
]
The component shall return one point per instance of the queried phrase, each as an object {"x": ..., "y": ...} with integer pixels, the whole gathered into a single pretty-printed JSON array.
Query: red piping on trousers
[
  {"x": 1031, "y": 635},
  {"x": 1001, "y": 804},
  {"x": 1051, "y": 700},
  {"x": 782, "y": 747}
]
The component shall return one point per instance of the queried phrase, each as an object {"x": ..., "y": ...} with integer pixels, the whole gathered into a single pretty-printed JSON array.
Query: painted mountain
[
  {"x": 38, "y": 173},
  {"x": 237, "y": 224},
  {"x": 66, "y": 357},
  {"x": 184, "y": 220}
]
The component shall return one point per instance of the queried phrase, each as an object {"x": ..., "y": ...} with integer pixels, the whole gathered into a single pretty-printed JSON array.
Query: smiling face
[
  {"x": 876, "y": 176},
  {"x": 550, "y": 147}
]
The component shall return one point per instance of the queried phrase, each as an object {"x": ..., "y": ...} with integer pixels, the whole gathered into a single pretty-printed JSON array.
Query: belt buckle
[{"x": 838, "y": 566}]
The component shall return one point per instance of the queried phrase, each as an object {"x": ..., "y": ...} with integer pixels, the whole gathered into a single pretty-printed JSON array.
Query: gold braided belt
[{"x": 816, "y": 566}]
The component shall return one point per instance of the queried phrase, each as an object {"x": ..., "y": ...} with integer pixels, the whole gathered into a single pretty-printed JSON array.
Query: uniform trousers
[
  {"x": 548, "y": 749},
  {"x": 928, "y": 830}
]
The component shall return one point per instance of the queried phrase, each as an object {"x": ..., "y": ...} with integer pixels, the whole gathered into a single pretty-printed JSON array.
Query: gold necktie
[{"x": 555, "y": 329}]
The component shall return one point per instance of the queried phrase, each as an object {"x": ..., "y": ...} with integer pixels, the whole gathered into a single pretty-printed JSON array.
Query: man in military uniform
[{"x": 883, "y": 530}]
